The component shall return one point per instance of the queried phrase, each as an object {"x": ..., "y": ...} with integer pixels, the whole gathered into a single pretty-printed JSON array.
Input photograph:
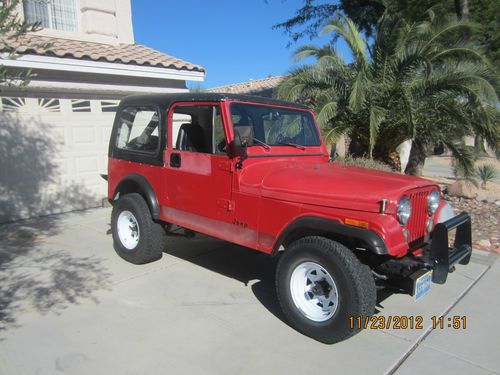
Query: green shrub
[
  {"x": 363, "y": 163},
  {"x": 486, "y": 173}
]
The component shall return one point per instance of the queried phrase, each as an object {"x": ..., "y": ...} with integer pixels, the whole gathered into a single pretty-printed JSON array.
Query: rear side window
[{"x": 138, "y": 129}]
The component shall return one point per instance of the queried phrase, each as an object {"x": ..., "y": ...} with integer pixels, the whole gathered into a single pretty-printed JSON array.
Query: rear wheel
[
  {"x": 323, "y": 288},
  {"x": 137, "y": 237}
]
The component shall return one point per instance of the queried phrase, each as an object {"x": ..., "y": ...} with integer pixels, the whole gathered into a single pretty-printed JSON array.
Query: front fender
[{"x": 320, "y": 225}]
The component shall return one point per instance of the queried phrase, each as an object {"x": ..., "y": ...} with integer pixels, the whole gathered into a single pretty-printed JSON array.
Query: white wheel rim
[
  {"x": 128, "y": 230},
  {"x": 314, "y": 292}
]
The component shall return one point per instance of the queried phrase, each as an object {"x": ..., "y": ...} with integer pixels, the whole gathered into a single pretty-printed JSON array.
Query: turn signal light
[{"x": 356, "y": 223}]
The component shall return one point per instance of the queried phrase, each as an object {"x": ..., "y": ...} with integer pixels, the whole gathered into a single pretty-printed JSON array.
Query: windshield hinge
[
  {"x": 226, "y": 166},
  {"x": 226, "y": 204}
]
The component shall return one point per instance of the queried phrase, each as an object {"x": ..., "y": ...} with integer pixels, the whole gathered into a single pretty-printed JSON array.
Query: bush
[
  {"x": 364, "y": 163},
  {"x": 486, "y": 173}
]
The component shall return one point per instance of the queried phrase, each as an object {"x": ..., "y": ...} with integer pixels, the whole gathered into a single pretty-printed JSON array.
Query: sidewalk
[
  {"x": 474, "y": 350},
  {"x": 69, "y": 304}
]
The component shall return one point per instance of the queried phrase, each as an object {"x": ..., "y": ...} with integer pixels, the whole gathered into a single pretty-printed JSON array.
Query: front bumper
[
  {"x": 442, "y": 257},
  {"x": 437, "y": 255}
]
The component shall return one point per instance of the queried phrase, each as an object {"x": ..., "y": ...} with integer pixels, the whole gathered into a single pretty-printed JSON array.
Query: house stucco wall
[{"x": 101, "y": 21}]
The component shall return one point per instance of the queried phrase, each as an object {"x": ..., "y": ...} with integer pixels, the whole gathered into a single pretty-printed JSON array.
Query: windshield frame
[{"x": 290, "y": 147}]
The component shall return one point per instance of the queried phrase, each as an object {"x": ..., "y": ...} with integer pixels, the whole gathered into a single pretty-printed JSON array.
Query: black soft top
[{"x": 165, "y": 100}]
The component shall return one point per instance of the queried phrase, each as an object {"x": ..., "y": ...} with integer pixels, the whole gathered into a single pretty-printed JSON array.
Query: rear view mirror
[{"x": 243, "y": 136}]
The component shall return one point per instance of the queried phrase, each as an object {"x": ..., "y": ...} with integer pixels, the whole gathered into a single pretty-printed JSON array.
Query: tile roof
[
  {"x": 134, "y": 54},
  {"x": 262, "y": 87}
]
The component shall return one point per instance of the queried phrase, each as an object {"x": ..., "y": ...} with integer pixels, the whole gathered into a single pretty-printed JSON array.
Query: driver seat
[{"x": 191, "y": 138}]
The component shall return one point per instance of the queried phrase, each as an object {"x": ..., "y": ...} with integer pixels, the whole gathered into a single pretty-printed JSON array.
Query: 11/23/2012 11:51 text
[{"x": 407, "y": 322}]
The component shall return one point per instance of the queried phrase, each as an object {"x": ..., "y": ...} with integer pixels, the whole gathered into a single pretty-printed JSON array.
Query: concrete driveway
[{"x": 69, "y": 304}]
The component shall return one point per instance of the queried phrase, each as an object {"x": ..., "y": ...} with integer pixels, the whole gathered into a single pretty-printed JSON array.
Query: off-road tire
[
  {"x": 354, "y": 282},
  {"x": 152, "y": 236}
]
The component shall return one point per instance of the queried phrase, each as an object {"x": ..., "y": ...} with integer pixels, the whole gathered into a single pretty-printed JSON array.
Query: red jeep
[{"x": 255, "y": 172}]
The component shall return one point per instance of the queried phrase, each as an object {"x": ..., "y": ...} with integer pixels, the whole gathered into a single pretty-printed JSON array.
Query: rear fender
[{"x": 136, "y": 183}]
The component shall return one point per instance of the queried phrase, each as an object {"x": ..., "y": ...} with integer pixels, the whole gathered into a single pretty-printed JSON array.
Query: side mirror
[
  {"x": 243, "y": 136},
  {"x": 333, "y": 152}
]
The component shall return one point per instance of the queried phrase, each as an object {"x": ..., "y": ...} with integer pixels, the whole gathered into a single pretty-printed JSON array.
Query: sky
[{"x": 233, "y": 40}]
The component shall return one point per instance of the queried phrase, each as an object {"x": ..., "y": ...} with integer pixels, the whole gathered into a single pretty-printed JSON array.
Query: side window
[
  {"x": 178, "y": 119},
  {"x": 138, "y": 129},
  {"x": 198, "y": 128}
]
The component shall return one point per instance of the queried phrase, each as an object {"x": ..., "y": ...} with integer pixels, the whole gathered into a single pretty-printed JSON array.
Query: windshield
[{"x": 275, "y": 126}]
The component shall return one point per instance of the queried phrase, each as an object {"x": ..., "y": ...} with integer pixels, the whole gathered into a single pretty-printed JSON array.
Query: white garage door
[{"x": 51, "y": 154}]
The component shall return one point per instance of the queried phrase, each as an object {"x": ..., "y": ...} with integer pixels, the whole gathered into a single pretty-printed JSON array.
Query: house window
[
  {"x": 79, "y": 105},
  {"x": 52, "y": 14}
]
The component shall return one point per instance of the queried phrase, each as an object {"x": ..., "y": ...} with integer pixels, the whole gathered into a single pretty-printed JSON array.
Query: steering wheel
[{"x": 282, "y": 139}]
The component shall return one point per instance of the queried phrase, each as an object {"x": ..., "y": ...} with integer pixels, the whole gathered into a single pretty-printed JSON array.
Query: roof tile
[
  {"x": 134, "y": 54},
  {"x": 262, "y": 87}
]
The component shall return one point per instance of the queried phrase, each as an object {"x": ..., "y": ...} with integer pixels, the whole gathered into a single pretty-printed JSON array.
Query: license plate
[{"x": 423, "y": 285}]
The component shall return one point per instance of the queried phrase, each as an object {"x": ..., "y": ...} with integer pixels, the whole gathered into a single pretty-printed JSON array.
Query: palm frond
[
  {"x": 463, "y": 156},
  {"x": 326, "y": 113},
  {"x": 346, "y": 28},
  {"x": 377, "y": 115}
]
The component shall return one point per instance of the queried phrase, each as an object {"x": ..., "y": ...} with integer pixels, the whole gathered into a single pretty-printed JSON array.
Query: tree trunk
[
  {"x": 479, "y": 150},
  {"x": 416, "y": 160},
  {"x": 462, "y": 9},
  {"x": 356, "y": 149}
]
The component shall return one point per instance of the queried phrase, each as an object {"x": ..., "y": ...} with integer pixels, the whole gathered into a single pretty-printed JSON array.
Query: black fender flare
[
  {"x": 321, "y": 226},
  {"x": 139, "y": 184}
]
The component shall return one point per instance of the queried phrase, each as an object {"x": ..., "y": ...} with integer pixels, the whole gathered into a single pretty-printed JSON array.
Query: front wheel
[
  {"x": 323, "y": 288},
  {"x": 137, "y": 237}
]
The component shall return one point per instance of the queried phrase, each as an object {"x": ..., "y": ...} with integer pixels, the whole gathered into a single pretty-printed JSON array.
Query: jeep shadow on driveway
[{"x": 255, "y": 172}]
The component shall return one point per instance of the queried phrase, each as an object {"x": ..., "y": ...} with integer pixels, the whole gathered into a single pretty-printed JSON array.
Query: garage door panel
[
  {"x": 86, "y": 164},
  {"x": 60, "y": 135},
  {"x": 57, "y": 160},
  {"x": 63, "y": 166},
  {"x": 84, "y": 136},
  {"x": 106, "y": 134}
]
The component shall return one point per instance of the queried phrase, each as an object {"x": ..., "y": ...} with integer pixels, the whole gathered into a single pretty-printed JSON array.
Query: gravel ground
[
  {"x": 485, "y": 222},
  {"x": 484, "y": 210}
]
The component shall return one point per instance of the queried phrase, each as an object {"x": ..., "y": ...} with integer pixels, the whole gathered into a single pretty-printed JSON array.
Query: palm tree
[{"x": 411, "y": 83}]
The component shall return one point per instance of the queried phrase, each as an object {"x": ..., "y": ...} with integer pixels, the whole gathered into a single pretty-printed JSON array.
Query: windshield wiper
[
  {"x": 265, "y": 145},
  {"x": 293, "y": 145}
]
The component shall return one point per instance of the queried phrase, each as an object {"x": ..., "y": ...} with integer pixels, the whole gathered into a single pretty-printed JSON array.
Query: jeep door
[{"x": 198, "y": 172}]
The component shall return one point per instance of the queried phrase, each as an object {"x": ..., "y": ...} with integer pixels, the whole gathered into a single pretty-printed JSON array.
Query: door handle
[{"x": 175, "y": 160}]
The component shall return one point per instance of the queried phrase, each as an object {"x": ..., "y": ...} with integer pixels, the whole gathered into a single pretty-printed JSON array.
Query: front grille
[{"x": 418, "y": 219}]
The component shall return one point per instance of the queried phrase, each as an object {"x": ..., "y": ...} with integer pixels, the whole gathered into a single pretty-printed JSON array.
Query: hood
[{"x": 326, "y": 184}]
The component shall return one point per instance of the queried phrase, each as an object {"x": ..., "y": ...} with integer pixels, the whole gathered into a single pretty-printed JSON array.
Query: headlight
[
  {"x": 404, "y": 210},
  {"x": 433, "y": 201}
]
